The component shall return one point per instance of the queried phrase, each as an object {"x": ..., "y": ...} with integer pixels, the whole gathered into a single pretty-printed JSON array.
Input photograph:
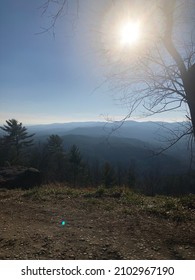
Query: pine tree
[
  {"x": 75, "y": 160},
  {"x": 109, "y": 177},
  {"x": 53, "y": 163},
  {"x": 55, "y": 144},
  {"x": 16, "y": 140}
]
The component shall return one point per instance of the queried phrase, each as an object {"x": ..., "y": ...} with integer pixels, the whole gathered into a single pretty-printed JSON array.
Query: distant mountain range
[
  {"x": 130, "y": 143},
  {"x": 145, "y": 131},
  {"x": 124, "y": 152},
  {"x": 127, "y": 143}
]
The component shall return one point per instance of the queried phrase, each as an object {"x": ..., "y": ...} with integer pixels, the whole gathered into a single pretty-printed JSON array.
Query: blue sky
[{"x": 45, "y": 79}]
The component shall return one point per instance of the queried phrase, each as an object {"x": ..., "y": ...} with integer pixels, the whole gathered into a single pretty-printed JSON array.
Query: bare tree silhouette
[{"x": 161, "y": 75}]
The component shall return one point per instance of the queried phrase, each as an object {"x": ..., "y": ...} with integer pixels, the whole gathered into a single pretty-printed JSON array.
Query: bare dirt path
[{"x": 96, "y": 228}]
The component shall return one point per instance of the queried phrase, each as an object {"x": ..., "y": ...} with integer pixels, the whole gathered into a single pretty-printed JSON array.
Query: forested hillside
[{"x": 94, "y": 154}]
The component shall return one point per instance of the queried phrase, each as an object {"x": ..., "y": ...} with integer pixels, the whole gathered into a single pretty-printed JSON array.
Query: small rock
[
  {"x": 82, "y": 239},
  {"x": 72, "y": 256}
]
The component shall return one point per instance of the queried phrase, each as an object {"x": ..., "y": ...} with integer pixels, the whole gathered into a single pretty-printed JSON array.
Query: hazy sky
[{"x": 47, "y": 80}]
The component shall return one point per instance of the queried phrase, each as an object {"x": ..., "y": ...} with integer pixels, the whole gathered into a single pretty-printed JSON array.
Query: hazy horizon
[{"x": 94, "y": 121}]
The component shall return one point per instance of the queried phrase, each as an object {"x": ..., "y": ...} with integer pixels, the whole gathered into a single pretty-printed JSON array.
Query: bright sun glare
[{"x": 129, "y": 33}]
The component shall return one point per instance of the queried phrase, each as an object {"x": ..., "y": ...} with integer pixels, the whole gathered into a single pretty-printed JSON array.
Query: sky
[{"x": 50, "y": 79}]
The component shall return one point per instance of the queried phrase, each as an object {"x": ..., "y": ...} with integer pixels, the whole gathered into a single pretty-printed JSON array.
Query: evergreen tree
[
  {"x": 53, "y": 163},
  {"x": 15, "y": 141},
  {"x": 55, "y": 144},
  {"x": 109, "y": 177},
  {"x": 75, "y": 160},
  {"x": 131, "y": 177},
  {"x": 2, "y": 152},
  {"x": 96, "y": 173}
]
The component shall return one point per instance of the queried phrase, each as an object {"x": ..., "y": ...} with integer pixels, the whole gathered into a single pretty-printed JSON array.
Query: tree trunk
[
  {"x": 189, "y": 86},
  {"x": 187, "y": 76}
]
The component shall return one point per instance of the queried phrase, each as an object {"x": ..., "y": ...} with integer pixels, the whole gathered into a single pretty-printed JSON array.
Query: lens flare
[{"x": 63, "y": 223}]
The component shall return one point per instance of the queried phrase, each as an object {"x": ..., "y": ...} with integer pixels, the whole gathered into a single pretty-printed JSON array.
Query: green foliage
[
  {"x": 100, "y": 191},
  {"x": 125, "y": 194},
  {"x": 75, "y": 156},
  {"x": 188, "y": 201},
  {"x": 108, "y": 176},
  {"x": 55, "y": 144},
  {"x": 76, "y": 165},
  {"x": 34, "y": 194},
  {"x": 15, "y": 141},
  {"x": 176, "y": 208},
  {"x": 51, "y": 191},
  {"x": 53, "y": 161},
  {"x": 70, "y": 167},
  {"x": 131, "y": 177},
  {"x": 132, "y": 198}
]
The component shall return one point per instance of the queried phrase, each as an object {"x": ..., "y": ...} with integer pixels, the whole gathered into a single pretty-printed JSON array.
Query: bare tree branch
[{"x": 160, "y": 77}]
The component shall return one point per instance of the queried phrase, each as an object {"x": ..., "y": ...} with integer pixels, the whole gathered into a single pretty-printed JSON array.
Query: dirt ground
[{"x": 95, "y": 228}]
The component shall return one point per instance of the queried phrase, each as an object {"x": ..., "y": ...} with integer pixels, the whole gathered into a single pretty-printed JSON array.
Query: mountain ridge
[{"x": 131, "y": 140}]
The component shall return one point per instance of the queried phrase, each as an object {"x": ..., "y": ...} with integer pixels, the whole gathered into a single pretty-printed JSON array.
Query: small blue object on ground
[{"x": 63, "y": 223}]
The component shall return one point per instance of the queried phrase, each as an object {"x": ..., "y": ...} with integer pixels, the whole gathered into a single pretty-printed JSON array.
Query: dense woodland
[{"x": 57, "y": 164}]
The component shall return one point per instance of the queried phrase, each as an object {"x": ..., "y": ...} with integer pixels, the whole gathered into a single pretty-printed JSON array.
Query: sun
[{"x": 129, "y": 33}]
